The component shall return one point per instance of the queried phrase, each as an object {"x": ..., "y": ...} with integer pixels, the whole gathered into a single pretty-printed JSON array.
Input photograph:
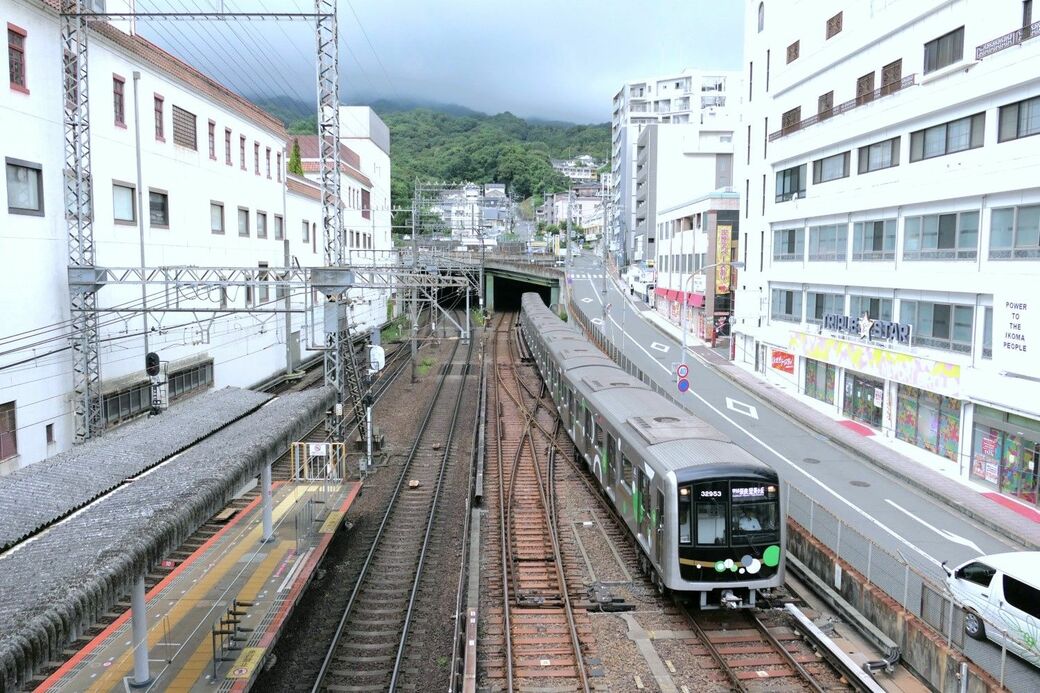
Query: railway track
[
  {"x": 369, "y": 646},
  {"x": 540, "y": 632}
]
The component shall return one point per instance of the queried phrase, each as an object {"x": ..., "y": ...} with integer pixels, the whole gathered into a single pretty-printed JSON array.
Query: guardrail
[{"x": 1012, "y": 38}]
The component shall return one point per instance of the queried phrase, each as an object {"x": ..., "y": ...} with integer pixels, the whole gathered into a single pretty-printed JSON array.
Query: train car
[{"x": 704, "y": 513}]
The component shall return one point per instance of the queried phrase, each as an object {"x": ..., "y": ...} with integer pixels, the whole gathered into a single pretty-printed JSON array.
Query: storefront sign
[
  {"x": 783, "y": 361},
  {"x": 1016, "y": 332},
  {"x": 879, "y": 396},
  {"x": 699, "y": 283},
  {"x": 935, "y": 376},
  {"x": 866, "y": 328},
  {"x": 722, "y": 252}
]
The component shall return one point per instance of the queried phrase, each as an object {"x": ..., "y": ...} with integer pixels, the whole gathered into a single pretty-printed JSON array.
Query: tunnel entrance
[{"x": 504, "y": 294}]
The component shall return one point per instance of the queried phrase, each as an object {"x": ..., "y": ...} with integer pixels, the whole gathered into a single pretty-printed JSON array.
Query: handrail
[
  {"x": 862, "y": 99},
  {"x": 1008, "y": 40}
]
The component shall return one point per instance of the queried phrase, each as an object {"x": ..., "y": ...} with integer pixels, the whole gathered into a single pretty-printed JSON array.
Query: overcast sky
[{"x": 556, "y": 59}]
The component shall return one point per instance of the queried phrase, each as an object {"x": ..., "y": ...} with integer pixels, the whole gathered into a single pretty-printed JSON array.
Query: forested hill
[
  {"x": 445, "y": 142},
  {"x": 502, "y": 148}
]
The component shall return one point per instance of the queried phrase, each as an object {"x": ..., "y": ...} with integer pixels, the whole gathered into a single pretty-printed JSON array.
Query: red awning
[
  {"x": 661, "y": 292},
  {"x": 695, "y": 300},
  {"x": 673, "y": 295}
]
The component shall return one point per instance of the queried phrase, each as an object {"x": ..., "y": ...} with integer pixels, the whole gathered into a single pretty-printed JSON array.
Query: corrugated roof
[
  {"x": 303, "y": 186},
  {"x": 205, "y": 86},
  {"x": 309, "y": 150}
]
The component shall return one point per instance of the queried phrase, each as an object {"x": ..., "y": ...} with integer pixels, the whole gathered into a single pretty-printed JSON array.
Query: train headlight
[
  {"x": 684, "y": 491},
  {"x": 771, "y": 489}
]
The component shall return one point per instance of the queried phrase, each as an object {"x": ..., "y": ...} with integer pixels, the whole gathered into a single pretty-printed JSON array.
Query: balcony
[
  {"x": 1007, "y": 40},
  {"x": 860, "y": 100}
]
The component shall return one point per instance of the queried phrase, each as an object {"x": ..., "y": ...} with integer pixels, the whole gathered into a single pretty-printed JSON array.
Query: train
[{"x": 704, "y": 513}]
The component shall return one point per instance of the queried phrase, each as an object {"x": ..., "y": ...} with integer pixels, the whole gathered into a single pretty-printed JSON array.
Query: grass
[
  {"x": 396, "y": 331},
  {"x": 425, "y": 365},
  {"x": 477, "y": 317}
]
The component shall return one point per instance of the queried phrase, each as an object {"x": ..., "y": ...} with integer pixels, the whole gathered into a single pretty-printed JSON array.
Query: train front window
[
  {"x": 685, "y": 508},
  {"x": 754, "y": 515},
  {"x": 710, "y": 512}
]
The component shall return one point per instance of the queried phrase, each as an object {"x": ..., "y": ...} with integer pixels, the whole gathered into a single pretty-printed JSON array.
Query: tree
[{"x": 295, "y": 165}]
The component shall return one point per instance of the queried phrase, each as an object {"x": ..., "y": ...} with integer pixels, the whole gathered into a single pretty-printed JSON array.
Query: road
[{"x": 896, "y": 517}]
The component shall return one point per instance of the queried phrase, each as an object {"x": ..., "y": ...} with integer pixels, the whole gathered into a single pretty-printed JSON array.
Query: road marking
[
  {"x": 741, "y": 408},
  {"x": 663, "y": 348},
  {"x": 950, "y": 536},
  {"x": 586, "y": 300},
  {"x": 597, "y": 321},
  {"x": 776, "y": 453}
]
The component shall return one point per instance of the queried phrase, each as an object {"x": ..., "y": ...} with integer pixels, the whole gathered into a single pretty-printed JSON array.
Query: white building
[
  {"x": 580, "y": 169},
  {"x": 687, "y": 97},
  {"x": 211, "y": 192},
  {"x": 892, "y": 223}
]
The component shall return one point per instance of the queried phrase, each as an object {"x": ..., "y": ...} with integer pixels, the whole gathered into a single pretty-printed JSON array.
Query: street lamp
[{"x": 735, "y": 264}]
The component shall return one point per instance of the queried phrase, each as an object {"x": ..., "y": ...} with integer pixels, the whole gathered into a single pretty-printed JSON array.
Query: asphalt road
[{"x": 896, "y": 517}]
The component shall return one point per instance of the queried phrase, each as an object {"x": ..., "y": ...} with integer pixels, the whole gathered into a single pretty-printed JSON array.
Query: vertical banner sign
[
  {"x": 722, "y": 272},
  {"x": 1016, "y": 331}
]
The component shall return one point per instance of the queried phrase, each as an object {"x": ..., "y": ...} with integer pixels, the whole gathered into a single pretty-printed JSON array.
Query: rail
[{"x": 854, "y": 674}]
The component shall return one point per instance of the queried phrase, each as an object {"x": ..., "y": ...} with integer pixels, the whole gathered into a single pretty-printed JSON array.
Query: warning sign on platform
[
  {"x": 246, "y": 663},
  {"x": 316, "y": 449}
]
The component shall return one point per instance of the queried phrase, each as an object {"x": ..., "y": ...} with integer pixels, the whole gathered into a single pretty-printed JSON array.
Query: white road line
[
  {"x": 663, "y": 348},
  {"x": 741, "y": 408},
  {"x": 862, "y": 513},
  {"x": 950, "y": 536}
]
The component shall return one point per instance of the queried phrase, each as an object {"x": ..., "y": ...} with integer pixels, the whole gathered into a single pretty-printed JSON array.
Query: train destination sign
[{"x": 865, "y": 328}]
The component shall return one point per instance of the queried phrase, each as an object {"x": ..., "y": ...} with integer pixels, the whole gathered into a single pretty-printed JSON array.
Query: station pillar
[
  {"x": 489, "y": 293},
  {"x": 554, "y": 294},
  {"x": 140, "y": 632},
  {"x": 265, "y": 493}
]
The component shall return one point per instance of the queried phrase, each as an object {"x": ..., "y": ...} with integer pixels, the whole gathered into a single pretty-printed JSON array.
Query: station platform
[{"x": 235, "y": 578}]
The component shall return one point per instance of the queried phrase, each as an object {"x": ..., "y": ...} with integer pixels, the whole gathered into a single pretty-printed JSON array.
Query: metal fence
[{"x": 917, "y": 588}]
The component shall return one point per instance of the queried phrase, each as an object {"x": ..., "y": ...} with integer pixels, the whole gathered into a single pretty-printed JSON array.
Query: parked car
[{"x": 1000, "y": 595}]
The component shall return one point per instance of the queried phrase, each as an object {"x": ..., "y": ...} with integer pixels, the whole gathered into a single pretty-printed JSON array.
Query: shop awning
[
  {"x": 695, "y": 300},
  {"x": 662, "y": 292}
]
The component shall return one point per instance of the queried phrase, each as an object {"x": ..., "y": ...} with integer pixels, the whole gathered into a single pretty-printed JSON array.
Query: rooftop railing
[
  {"x": 1007, "y": 40},
  {"x": 862, "y": 99}
]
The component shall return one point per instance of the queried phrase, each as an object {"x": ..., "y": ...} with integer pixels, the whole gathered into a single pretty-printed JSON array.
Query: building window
[
  {"x": 1020, "y": 119},
  {"x": 279, "y": 228},
  {"x": 306, "y": 235},
  {"x": 828, "y": 243},
  {"x": 212, "y": 140},
  {"x": 792, "y": 52},
  {"x": 788, "y": 244},
  {"x": 216, "y": 217},
  {"x": 278, "y": 165},
  {"x": 366, "y": 204},
  {"x": 874, "y": 240},
  {"x": 761, "y": 16},
  {"x": 987, "y": 333},
  {"x": 157, "y": 112},
  {"x": 820, "y": 304},
  {"x": 227, "y": 146},
  {"x": 875, "y": 308},
  {"x": 825, "y": 104},
  {"x": 831, "y": 168},
  {"x": 943, "y": 51},
  {"x": 261, "y": 224},
  {"x": 16, "y": 58},
  {"x": 158, "y": 208},
  {"x": 790, "y": 183},
  {"x": 941, "y": 237},
  {"x": 184, "y": 133},
  {"x": 119, "y": 100},
  {"x": 267, "y": 160},
  {"x": 50, "y": 433},
  {"x": 8, "y": 431},
  {"x": 787, "y": 305},
  {"x": 891, "y": 77},
  {"x": 256, "y": 158},
  {"x": 954, "y": 136},
  {"x": 243, "y": 222},
  {"x": 242, "y": 152},
  {"x": 927, "y": 420},
  {"x": 820, "y": 378},
  {"x": 124, "y": 203},
  {"x": 879, "y": 155},
  {"x": 24, "y": 188},
  {"x": 938, "y": 325},
  {"x": 136, "y": 399},
  {"x": 1014, "y": 233},
  {"x": 790, "y": 119},
  {"x": 263, "y": 277},
  {"x": 865, "y": 89},
  {"x": 834, "y": 25}
]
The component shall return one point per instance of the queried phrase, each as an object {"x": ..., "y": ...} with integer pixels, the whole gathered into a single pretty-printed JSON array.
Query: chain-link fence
[{"x": 918, "y": 589}]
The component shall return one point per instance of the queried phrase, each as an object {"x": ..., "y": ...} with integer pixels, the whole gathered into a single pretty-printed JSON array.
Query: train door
[
  {"x": 659, "y": 528},
  {"x": 588, "y": 429},
  {"x": 600, "y": 456},
  {"x": 643, "y": 502},
  {"x": 609, "y": 455}
]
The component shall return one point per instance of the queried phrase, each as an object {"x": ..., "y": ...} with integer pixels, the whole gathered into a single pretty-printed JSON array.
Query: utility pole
[
  {"x": 567, "y": 273},
  {"x": 415, "y": 262}
]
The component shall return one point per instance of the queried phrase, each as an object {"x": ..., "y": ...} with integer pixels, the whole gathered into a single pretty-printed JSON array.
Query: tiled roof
[
  {"x": 204, "y": 86},
  {"x": 309, "y": 150},
  {"x": 313, "y": 166},
  {"x": 302, "y": 186}
]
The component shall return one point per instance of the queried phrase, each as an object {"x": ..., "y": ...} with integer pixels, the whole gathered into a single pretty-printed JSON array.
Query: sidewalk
[{"x": 1000, "y": 514}]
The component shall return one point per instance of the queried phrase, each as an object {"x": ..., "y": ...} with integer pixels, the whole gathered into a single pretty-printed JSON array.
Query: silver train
[{"x": 704, "y": 513}]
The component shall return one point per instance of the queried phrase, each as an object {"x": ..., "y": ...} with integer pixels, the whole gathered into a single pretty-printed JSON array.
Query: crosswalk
[{"x": 586, "y": 275}]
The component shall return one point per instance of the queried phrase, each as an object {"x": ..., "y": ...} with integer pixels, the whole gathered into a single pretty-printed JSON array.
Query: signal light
[{"x": 151, "y": 364}]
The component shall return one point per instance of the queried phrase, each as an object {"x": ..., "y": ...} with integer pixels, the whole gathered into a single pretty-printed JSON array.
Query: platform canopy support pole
[
  {"x": 265, "y": 493},
  {"x": 140, "y": 628}
]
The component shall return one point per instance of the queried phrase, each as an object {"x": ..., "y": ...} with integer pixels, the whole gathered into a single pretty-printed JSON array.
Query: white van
[{"x": 1000, "y": 595}]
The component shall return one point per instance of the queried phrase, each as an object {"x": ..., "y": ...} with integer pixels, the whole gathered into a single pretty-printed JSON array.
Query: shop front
[
  {"x": 929, "y": 421},
  {"x": 864, "y": 399},
  {"x": 820, "y": 378},
  {"x": 1005, "y": 453}
]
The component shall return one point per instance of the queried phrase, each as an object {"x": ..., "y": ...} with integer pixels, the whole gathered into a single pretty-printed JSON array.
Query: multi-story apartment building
[
  {"x": 184, "y": 172},
  {"x": 581, "y": 169},
  {"x": 674, "y": 163},
  {"x": 687, "y": 97},
  {"x": 892, "y": 222}
]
